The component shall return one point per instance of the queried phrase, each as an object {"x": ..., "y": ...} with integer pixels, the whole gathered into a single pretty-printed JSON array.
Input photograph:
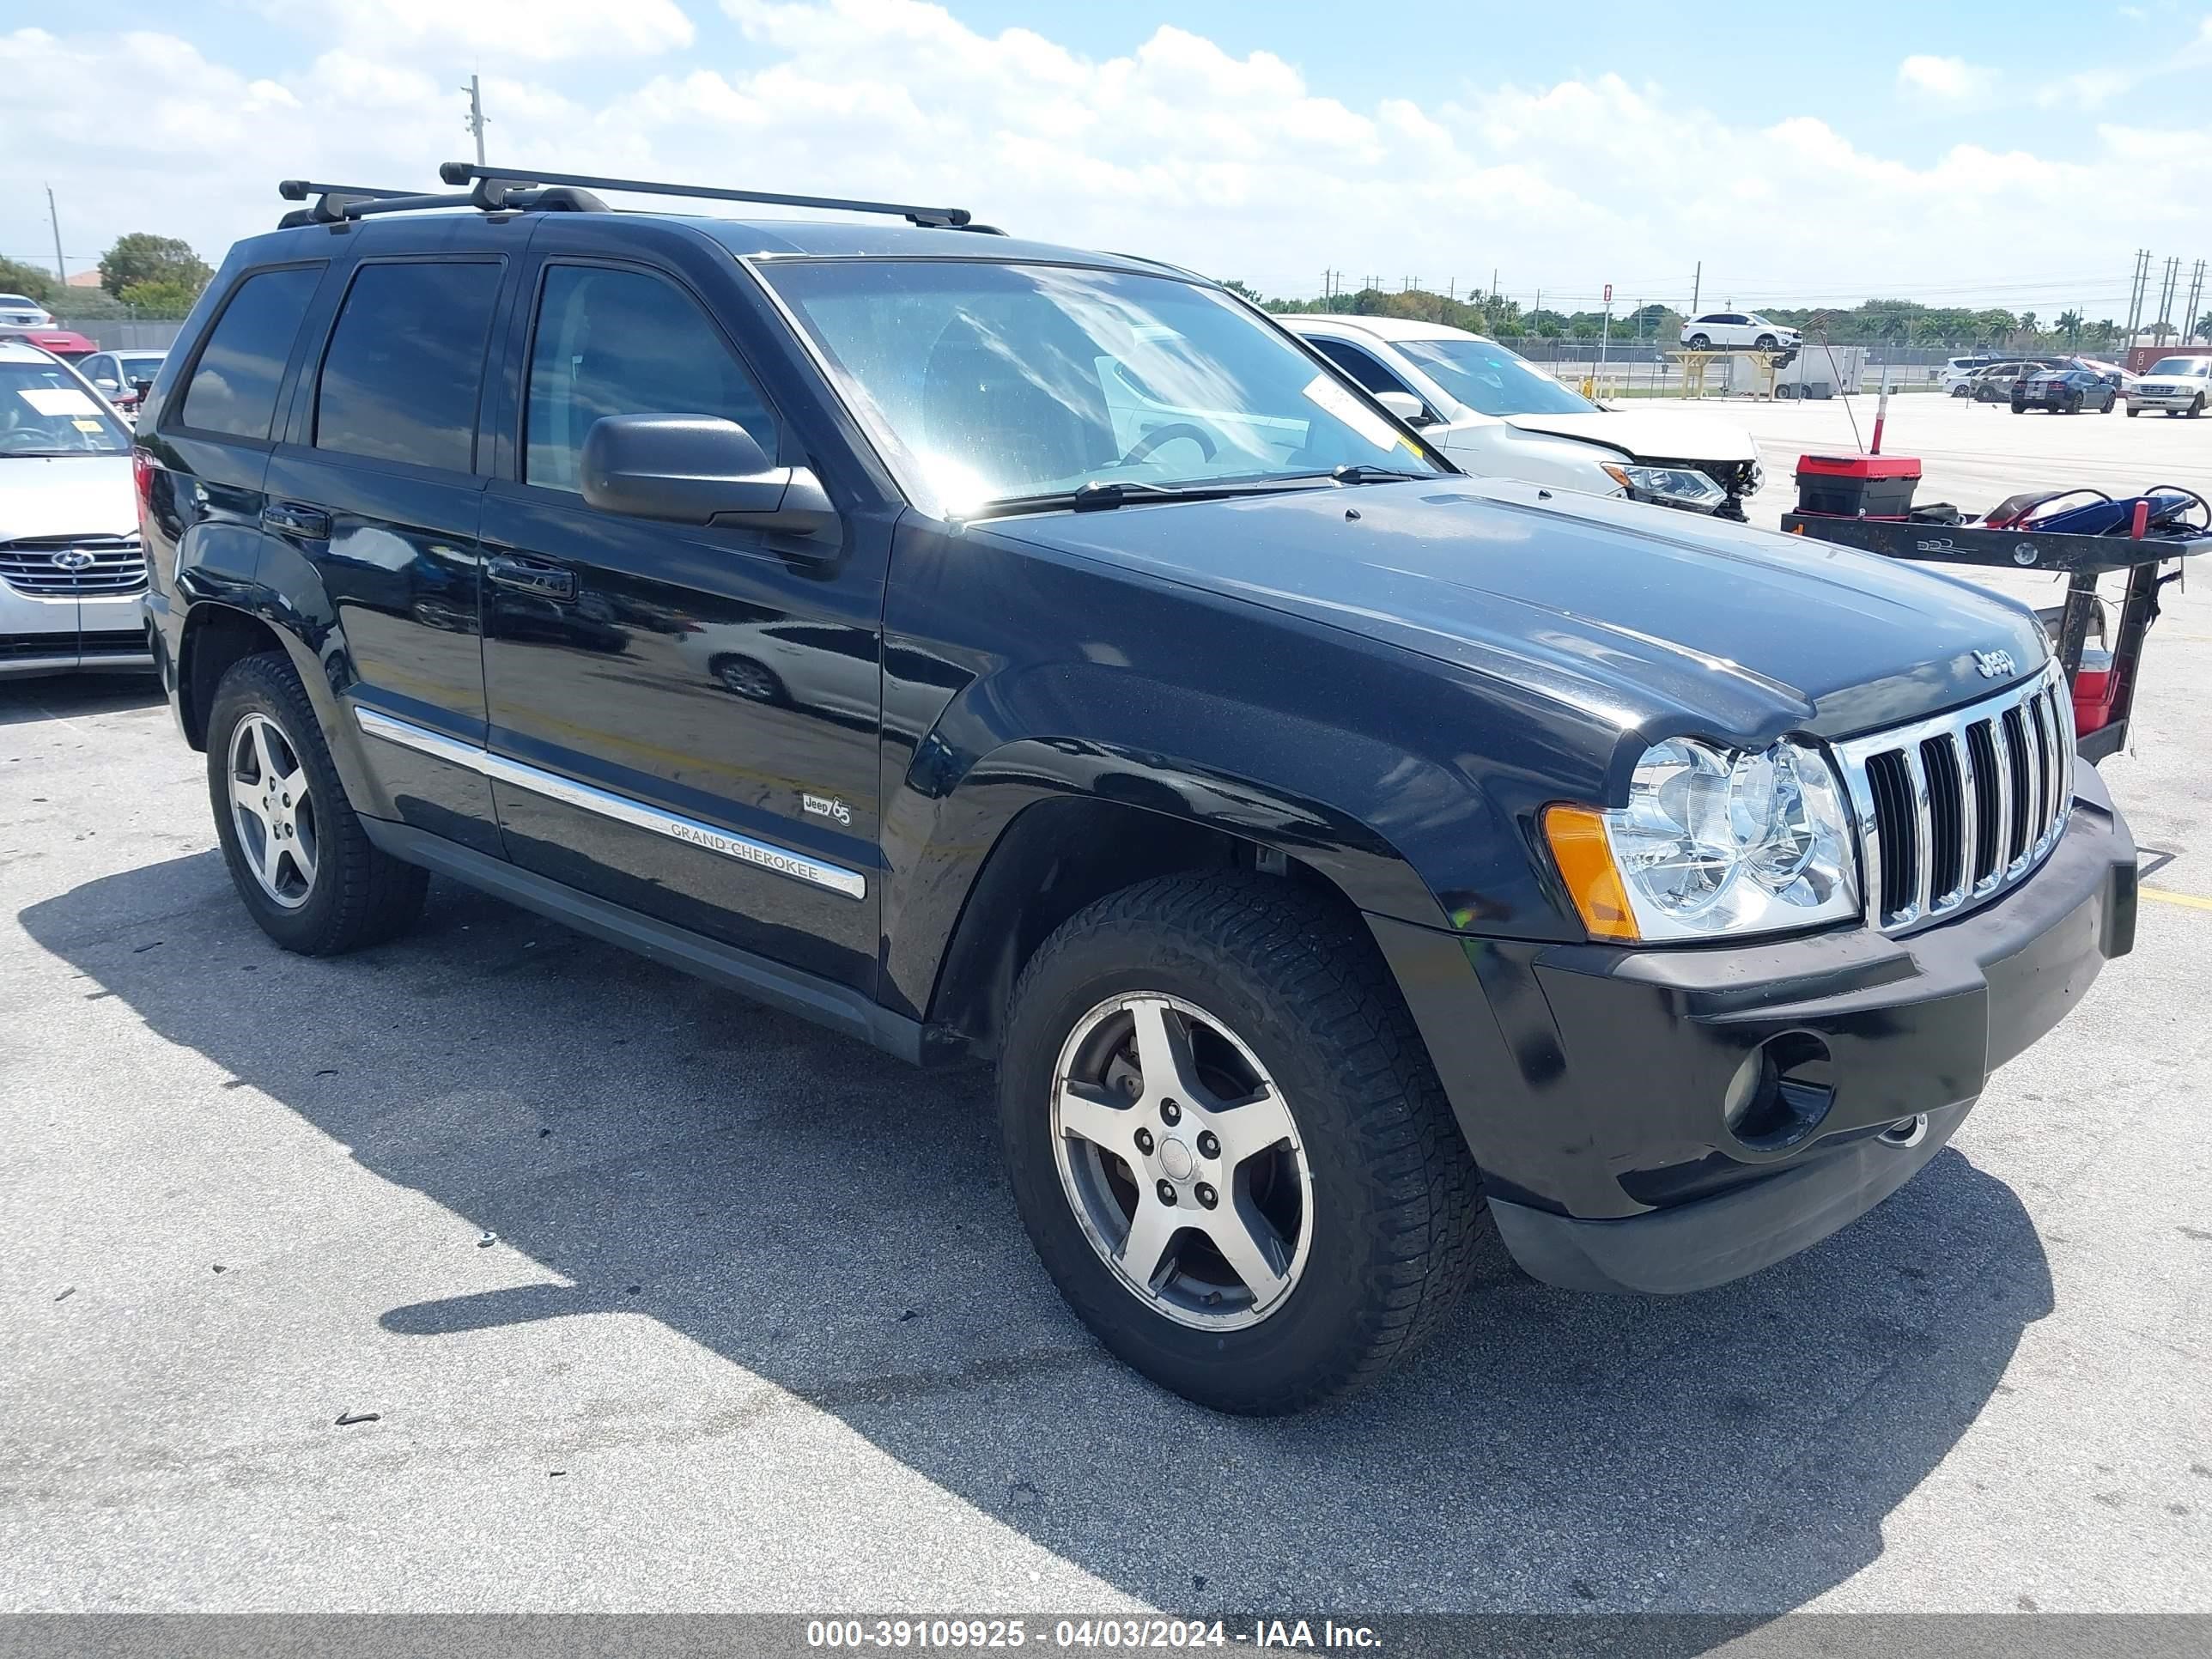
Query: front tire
[
  {"x": 297, "y": 853},
  {"x": 2196, "y": 408},
  {"x": 1229, "y": 1146}
]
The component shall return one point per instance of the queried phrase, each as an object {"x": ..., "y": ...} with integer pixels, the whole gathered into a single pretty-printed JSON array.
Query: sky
[{"x": 1985, "y": 152}]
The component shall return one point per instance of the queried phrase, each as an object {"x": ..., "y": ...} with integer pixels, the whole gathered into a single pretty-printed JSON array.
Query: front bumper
[
  {"x": 1593, "y": 1097},
  {"x": 46, "y": 634}
]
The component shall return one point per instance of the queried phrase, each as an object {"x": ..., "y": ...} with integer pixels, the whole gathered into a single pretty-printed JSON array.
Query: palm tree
[
  {"x": 2027, "y": 325},
  {"x": 2204, "y": 326},
  {"x": 2070, "y": 324}
]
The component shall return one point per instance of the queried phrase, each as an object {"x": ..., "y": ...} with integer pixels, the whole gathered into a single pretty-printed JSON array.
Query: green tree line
[
  {"x": 143, "y": 273},
  {"x": 1871, "y": 322}
]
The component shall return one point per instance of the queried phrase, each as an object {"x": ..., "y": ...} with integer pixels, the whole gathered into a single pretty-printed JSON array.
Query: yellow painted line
[{"x": 2189, "y": 900}]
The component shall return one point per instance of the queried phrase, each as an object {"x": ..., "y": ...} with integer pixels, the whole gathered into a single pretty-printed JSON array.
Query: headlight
[
  {"x": 1677, "y": 486},
  {"x": 1713, "y": 842}
]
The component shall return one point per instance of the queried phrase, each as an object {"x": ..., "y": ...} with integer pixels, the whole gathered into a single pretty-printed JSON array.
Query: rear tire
[
  {"x": 1367, "y": 1224},
  {"x": 1701, "y": 343},
  {"x": 324, "y": 890}
]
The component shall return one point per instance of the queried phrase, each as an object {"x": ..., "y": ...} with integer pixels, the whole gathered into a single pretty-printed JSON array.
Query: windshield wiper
[
  {"x": 1360, "y": 472},
  {"x": 1101, "y": 494}
]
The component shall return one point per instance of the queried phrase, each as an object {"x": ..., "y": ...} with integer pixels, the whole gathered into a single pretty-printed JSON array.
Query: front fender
[{"x": 1335, "y": 800}]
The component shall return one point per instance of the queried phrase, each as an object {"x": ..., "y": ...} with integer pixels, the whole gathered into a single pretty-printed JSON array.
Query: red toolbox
[{"x": 1857, "y": 486}]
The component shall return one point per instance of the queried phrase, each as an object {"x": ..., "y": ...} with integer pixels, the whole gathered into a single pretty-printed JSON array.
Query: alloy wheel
[
  {"x": 1182, "y": 1160},
  {"x": 272, "y": 809}
]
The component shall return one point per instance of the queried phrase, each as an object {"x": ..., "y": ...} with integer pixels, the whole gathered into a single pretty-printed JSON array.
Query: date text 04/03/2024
[{"x": 1108, "y": 1633}]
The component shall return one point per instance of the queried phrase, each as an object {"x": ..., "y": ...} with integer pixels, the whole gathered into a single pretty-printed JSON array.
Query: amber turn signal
[{"x": 1585, "y": 858}]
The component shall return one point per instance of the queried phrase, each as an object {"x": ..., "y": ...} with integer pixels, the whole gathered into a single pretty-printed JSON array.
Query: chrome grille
[
  {"x": 1953, "y": 810},
  {"x": 108, "y": 564}
]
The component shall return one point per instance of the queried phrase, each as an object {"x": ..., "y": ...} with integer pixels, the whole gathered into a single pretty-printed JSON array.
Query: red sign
[{"x": 1608, "y": 294}]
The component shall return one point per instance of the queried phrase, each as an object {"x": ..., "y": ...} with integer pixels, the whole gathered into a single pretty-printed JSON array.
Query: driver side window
[{"x": 612, "y": 341}]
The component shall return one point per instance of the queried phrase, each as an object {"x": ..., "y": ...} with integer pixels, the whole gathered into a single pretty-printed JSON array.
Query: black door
[
  {"x": 684, "y": 720},
  {"x": 378, "y": 490}
]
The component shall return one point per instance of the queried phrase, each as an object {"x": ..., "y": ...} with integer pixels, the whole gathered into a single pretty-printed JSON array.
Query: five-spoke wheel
[
  {"x": 273, "y": 810},
  {"x": 1182, "y": 1161}
]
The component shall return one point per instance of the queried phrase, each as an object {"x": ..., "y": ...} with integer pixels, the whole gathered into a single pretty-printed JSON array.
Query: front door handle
[
  {"x": 296, "y": 520},
  {"x": 548, "y": 582}
]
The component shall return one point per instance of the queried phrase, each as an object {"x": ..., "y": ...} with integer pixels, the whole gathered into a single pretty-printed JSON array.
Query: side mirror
[
  {"x": 1406, "y": 406},
  {"x": 696, "y": 470},
  {"x": 110, "y": 387}
]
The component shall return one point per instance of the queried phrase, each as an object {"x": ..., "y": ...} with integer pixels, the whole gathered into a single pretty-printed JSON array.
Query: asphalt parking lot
[{"x": 647, "y": 1298}]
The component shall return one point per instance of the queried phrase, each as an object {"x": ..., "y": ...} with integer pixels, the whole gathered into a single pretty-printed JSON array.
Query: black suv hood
[{"x": 1648, "y": 618}]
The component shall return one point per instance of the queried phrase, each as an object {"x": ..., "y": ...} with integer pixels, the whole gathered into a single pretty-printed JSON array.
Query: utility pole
[
  {"x": 1696, "y": 287},
  {"x": 2173, "y": 275},
  {"x": 2138, "y": 283},
  {"x": 2191, "y": 314},
  {"x": 61, "y": 272},
  {"x": 475, "y": 121}
]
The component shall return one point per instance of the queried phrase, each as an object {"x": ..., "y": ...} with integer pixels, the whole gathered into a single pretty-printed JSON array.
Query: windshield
[
  {"x": 46, "y": 411},
  {"x": 18, "y": 302},
  {"x": 1491, "y": 380},
  {"x": 2194, "y": 367},
  {"x": 988, "y": 382},
  {"x": 139, "y": 366}
]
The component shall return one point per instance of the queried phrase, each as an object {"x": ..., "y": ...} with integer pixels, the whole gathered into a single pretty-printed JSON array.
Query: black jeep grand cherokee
[{"x": 1003, "y": 652}]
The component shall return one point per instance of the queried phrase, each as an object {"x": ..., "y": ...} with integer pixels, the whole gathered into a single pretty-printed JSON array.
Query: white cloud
[
  {"x": 1243, "y": 166},
  {"x": 1951, "y": 78}
]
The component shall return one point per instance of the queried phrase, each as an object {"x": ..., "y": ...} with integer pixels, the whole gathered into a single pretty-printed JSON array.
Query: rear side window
[
  {"x": 625, "y": 343},
  {"x": 405, "y": 364},
  {"x": 233, "y": 386},
  {"x": 1358, "y": 365}
]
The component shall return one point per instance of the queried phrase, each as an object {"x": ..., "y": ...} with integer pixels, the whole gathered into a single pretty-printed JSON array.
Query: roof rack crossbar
[
  {"x": 463, "y": 172},
  {"x": 330, "y": 201}
]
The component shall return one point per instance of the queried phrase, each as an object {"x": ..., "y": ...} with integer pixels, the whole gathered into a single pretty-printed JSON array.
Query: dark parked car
[
  {"x": 2065, "y": 391},
  {"x": 1335, "y": 854}
]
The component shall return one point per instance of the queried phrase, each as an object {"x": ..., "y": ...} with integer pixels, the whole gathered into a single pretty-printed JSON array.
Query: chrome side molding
[{"x": 503, "y": 768}]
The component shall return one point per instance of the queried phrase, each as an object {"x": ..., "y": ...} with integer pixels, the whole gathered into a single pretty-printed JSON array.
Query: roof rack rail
[
  {"x": 335, "y": 203},
  {"x": 462, "y": 172}
]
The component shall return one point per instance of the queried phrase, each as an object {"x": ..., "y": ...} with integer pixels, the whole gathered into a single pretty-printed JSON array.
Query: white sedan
[{"x": 1497, "y": 415}]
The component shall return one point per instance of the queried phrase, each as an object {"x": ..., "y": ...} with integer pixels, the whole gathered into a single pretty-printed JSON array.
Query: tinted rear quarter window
[
  {"x": 233, "y": 386},
  {"x": 405, "y": 368}
]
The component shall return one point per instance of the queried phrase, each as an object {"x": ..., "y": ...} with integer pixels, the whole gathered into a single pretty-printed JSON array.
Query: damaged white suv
[{"x": 1499, "y": 416}]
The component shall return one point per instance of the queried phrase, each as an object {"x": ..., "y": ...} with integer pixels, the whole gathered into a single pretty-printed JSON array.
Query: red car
[{"x": 62, "y": 342}]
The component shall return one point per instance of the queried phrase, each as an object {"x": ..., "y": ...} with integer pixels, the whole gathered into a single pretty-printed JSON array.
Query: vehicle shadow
[
  {"x": 835, "y": 1224},
  {"x": 70, "y": 696}
]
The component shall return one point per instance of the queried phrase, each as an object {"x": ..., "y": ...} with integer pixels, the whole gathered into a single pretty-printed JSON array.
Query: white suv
[
  {"x": 1726, "y": 331},
  {"x": 2180, "y": 386},
  {"x": 72, "y": 571},
  {"x": 1495, "y": 414}
]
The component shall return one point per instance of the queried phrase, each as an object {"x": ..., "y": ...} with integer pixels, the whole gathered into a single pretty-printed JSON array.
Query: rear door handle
[
  {"x": 296, "y": 520},
  {"x": 548, "y": 582}
]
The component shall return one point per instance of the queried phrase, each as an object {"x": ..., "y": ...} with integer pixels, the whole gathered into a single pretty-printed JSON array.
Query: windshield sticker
[
  {"x": 52, "y": 400},
  {"x": 87, "y": 426},
  {"x": 1353, "y": 413}
]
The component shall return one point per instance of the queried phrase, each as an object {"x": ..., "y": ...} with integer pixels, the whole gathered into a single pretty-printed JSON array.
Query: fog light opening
[{"x": 1780, "y": 1093}]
